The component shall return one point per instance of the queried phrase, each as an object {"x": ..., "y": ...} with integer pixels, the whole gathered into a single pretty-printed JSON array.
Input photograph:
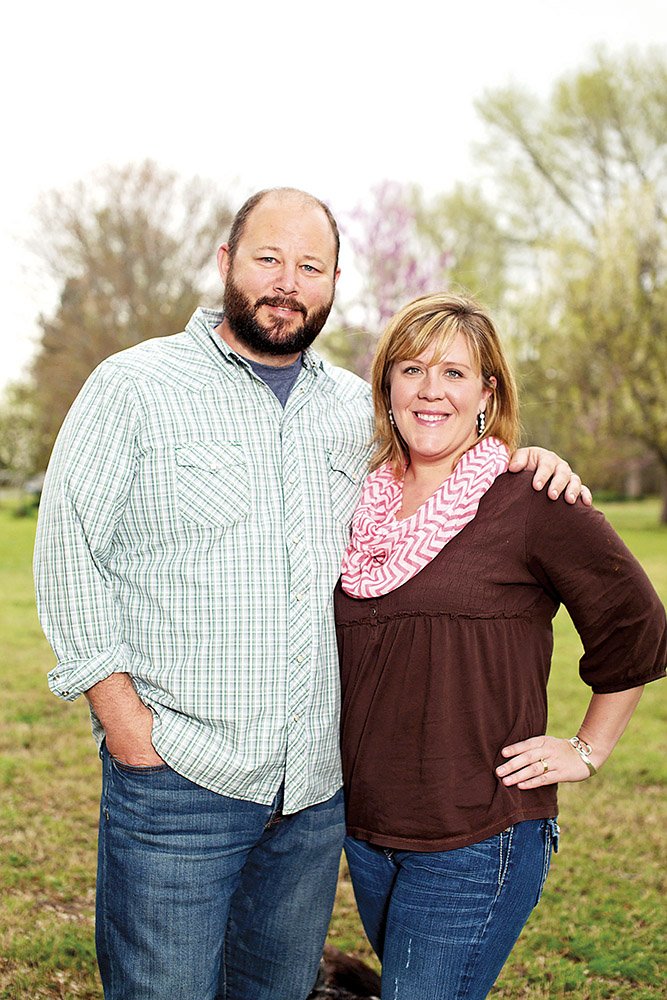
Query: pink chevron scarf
[{"x": 385, "y": 553}]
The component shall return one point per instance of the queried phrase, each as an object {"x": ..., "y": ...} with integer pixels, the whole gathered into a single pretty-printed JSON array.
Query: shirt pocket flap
[
  {"x": 346, "y": 470},
  {"x": 212, "y": 482},
  {"x": 352, "y": 465},
  {"x": 209, "y": 455}
]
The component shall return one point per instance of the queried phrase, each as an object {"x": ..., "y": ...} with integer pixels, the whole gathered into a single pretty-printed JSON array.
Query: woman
[{"x": 449, "y": 585}]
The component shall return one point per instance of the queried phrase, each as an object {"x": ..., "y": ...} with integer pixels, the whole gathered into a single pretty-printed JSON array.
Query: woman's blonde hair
[{"x": 433, "y": 322}]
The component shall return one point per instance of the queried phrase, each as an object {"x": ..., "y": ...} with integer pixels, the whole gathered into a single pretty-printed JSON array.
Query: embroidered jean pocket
[
  {"x": 346, "y": 474},
  {"x": 212, "y": 483}
]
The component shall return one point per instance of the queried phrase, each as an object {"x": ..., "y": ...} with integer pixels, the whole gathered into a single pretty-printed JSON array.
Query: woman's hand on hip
[{"x": 541, "y": 760}]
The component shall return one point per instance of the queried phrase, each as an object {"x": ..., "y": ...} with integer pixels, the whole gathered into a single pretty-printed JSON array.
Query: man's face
[{"x": 280, "y": 285}]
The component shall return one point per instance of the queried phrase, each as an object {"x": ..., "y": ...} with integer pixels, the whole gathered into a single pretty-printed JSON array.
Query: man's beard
[{"x": 275, "y": 339}]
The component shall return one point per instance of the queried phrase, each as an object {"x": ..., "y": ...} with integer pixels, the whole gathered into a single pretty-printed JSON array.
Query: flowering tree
[{"x": 395, "y": 261}]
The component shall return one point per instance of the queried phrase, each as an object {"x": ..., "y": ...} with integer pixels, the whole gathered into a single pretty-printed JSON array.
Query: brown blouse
[{"x": 443, "y": 672}]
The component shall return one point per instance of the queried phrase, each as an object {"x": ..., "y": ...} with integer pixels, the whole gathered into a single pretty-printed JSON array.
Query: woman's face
[{"x": 435, "y": 406}]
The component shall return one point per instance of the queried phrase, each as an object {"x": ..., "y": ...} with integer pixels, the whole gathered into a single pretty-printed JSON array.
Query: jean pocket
[
  {"x": 478, "y": 865},
  {"x": 137, "y": 768}
]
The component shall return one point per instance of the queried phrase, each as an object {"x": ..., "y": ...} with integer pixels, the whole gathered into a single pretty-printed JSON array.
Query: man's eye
[
  {"x": 309, "y": 269},
  {"x": 269, "y": 260}
]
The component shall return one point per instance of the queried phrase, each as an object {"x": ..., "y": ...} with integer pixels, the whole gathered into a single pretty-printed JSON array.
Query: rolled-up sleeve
[{"x": 86, "y": 488}]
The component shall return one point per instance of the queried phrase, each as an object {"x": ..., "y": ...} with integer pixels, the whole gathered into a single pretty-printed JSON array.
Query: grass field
[{"x": 599, "y": 931}]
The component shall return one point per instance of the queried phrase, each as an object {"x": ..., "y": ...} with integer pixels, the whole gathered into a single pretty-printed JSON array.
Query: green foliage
[
  {"x": 582, "y": 183},
  {"x": 465, "y": 224},
  {"x": 598, "y": 933},
  {"x": 19, "y": 432},
  {"x": 562, "y": 164},
  {"x": 48, "y": 780}
]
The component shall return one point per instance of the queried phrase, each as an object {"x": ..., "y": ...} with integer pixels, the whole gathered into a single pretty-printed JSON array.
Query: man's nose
[{"x": 285, "y": 280}]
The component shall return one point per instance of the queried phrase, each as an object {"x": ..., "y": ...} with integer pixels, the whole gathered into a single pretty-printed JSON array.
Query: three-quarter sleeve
[{"x": 578, "y": 557}]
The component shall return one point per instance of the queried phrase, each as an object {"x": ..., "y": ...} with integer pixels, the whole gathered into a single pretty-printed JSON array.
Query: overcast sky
[{"x": 332, "y": 97}]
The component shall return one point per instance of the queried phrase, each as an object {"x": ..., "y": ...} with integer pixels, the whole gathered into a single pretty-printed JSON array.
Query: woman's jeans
[
  {"x": 443, "y": 923},
  {"x": 201, "y": 896}
]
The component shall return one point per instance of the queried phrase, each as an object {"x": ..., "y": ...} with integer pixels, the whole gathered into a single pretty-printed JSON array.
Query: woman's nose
[{"x": 432, "y": 387}]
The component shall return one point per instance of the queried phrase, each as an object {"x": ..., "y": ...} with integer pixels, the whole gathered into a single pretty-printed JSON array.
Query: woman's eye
[{"x": 454, "y": 373}]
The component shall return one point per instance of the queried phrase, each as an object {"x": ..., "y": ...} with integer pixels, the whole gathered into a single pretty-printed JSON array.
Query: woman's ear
[{"x": 490, "y": 384}]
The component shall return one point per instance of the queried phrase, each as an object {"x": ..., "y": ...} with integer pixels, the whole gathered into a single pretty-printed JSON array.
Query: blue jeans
[
  {"x": 204, "y": 897},
  {"x": 443, "y": 923}
]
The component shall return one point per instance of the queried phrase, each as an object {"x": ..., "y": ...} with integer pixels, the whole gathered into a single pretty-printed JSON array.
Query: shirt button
[
  {"x": 374, "y": 611},
  {"x": 299, "y": 659}
]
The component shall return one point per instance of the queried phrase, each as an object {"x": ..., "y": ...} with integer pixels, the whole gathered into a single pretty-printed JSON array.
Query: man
[{"x": 194, "y": 514}]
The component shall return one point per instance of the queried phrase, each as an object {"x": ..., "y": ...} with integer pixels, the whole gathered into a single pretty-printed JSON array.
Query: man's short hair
[{"x": 243, "y": 214}]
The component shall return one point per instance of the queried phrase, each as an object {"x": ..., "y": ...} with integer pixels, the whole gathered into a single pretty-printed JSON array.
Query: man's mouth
[
  {"x": 283, "y": 310},
  {"x": 284, "y": 307}
]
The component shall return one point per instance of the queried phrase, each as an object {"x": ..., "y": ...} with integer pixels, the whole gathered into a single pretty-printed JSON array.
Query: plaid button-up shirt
[{"x": 190, "y": 535}]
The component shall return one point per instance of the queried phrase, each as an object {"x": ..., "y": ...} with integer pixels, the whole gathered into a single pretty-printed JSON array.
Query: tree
[
  {"x": 560, "y": 166},
  {"x": 462, "y": 224},
  {"x": 130, "y": 251},
  {"x": 581, "y": 187},
  {"x": 396, "y": 261},
  {"x": 408, "y": 244},
  {"x": 613, "y": 312},
  {"x": 19, "y": 434}
]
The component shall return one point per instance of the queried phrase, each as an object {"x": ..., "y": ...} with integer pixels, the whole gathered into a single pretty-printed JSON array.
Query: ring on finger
[{"x": 545, "y": 766}]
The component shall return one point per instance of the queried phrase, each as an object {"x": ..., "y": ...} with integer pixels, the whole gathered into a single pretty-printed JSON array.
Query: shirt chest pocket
[
  {"x": 346, "y": 473},
  {"x": 212, "y": 483}
]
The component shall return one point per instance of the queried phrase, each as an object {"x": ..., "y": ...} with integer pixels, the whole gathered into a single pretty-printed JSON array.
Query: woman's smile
[{"x": 435, "y": 403}]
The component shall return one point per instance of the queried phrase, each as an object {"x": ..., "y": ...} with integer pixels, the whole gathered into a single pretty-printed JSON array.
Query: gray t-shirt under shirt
[{"x": 279, "y": 379}]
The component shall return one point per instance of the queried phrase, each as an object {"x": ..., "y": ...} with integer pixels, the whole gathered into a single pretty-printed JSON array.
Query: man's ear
[{"x": 224, "y": 260}]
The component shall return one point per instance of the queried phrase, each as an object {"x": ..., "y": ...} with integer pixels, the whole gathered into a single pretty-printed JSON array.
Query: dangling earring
[
  {"x": 391, "y": 419},
  {"x": 481, "y": 423}
]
